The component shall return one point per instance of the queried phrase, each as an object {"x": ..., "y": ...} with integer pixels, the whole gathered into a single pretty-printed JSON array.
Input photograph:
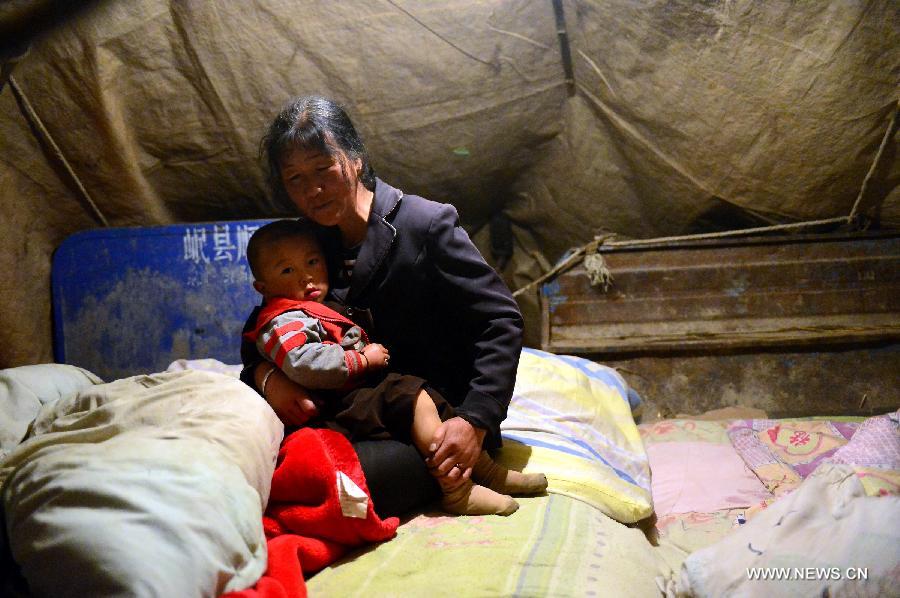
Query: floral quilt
[{"x": 782, "y": 453}]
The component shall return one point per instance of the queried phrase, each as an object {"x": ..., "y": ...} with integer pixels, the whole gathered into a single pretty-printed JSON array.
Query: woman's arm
[
  {"x": 484, "y": 309},
  {"x": 290, "y": 401},
  {"x": 490, "y": 317}
]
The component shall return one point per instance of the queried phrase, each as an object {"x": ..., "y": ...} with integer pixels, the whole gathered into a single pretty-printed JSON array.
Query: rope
[
  {"x": 728, "y": 233},
  {"x": 439, "y": 36},
  {"x": 892, "y": 128},
  {"x": 5, "y": 73},
  {"x": 558, "y": 268},
  {"x": 606, "y": 280},
  {"x": 57, "y": 152}
]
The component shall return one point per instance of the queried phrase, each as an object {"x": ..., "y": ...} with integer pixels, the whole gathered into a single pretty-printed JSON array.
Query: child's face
[{"x": 293, "y": 267}]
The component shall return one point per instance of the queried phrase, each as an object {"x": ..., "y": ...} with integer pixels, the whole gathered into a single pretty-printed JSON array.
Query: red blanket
[{"x": 305, "y": 526}]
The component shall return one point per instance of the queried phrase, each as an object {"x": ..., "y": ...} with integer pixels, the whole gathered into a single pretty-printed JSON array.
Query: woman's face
[{"x": 322, "y": 186}]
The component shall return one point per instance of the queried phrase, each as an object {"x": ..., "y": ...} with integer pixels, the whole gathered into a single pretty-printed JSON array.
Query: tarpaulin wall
[{"x": 681, "y": 116}]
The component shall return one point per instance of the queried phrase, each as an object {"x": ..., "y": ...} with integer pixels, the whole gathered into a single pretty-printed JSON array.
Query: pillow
[
  {"x": 701, "y": 477},
  {"x": 23, "y": 390},
  {"x": 571, "y": 419}
]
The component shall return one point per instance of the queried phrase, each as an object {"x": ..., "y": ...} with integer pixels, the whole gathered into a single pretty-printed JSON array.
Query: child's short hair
[{"x": 271, "y": 233}]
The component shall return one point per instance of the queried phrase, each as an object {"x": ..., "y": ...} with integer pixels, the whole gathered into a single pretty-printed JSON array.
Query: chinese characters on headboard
[{"x": 218, "y": 243}]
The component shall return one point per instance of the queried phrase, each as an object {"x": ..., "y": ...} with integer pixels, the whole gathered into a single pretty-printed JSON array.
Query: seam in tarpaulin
[
  {"x": 45, "y": 136},
  {"x": 565, "y": 52},
  {"x": 439, "y": 36}
]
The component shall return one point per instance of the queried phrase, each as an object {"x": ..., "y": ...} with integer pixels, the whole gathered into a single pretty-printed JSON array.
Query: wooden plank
[{"x": 774, "y": 292}]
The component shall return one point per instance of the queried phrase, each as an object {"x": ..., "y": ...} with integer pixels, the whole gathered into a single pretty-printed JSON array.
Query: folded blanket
[
  {"x": 152, "y": 485},
  {"x": 318, "y": 510}
]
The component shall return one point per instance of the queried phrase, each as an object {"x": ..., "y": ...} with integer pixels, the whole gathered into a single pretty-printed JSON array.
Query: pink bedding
[{"x": 701, "y": 477}]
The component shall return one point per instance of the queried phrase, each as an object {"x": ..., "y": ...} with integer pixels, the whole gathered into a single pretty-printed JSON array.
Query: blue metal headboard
[{"x": 132, "y": 300}]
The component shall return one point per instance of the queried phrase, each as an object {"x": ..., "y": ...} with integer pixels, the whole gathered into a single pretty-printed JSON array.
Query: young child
[{"x": 320, "y": 349}]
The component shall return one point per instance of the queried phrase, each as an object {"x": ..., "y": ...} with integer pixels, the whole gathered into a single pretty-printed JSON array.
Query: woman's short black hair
[{"x": 313, "y": 123}]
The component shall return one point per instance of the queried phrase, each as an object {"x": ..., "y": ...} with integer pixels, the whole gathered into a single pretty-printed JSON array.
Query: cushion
[{"x": 571, "y": 419}]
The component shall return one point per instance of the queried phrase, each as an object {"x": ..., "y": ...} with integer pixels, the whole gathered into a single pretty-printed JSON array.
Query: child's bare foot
[
  {"x": 507, "y": 481},
  {"x": 467, "y": 498}
]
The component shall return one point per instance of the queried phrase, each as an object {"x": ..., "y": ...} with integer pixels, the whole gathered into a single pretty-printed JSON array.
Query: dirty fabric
[{"x": 685, "y": 117}]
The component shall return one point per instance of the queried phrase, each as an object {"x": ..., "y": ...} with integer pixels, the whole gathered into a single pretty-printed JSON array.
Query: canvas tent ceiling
[{"x": 686, "y": 116}]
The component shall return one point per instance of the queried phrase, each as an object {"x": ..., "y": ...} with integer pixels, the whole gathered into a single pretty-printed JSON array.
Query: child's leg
[
  {"x": 461, "y": 496},
  {"x": 507, "y": 481},
  {"x": 425, "y": 422}
]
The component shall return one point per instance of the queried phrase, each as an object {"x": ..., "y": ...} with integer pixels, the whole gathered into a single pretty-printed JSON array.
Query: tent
[
  {"x": 578, "y": 139},
  {"x": 556, "y": 121}
]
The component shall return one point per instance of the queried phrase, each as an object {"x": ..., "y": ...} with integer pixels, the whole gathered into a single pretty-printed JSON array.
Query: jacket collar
[
  {"x": 386, "y": 200},
  {"x": 380, "y": 236}
]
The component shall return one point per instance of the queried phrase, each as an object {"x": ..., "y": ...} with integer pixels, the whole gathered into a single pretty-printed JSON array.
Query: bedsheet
[
  {"x": 553, "y": 545},
  {"x": 783, "y": 453},
  {"x": 695, "y": 520}
]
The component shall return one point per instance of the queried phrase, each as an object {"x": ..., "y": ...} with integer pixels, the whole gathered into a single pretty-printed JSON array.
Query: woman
[{"x": 443, "y": 312}]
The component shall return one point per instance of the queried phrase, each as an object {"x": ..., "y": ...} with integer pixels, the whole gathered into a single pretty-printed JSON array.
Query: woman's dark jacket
[{"x": 443, "y": 313}]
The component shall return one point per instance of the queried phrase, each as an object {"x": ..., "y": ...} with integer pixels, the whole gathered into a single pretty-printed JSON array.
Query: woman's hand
[
  {"x": 455, "y": 446},
  {"x": 289, "y": 400}
]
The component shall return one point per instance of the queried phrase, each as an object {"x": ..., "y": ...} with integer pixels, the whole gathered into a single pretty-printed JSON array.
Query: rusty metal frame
[{"x": 796, "y": 291}]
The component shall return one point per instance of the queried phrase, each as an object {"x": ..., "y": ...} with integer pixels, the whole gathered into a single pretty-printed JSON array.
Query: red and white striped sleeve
[{"x": 298, "y": 345}]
